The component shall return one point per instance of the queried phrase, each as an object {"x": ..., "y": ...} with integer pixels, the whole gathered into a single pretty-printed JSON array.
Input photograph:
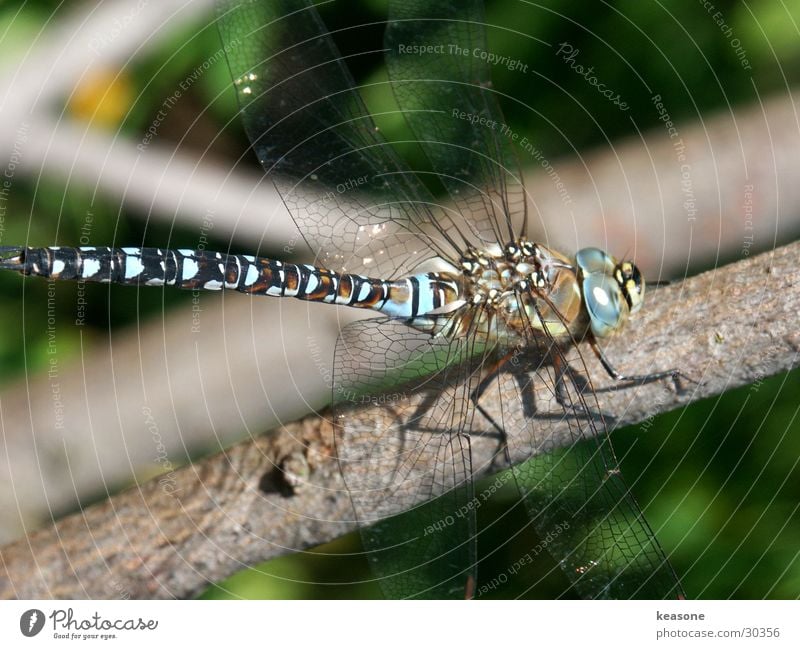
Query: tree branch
[{"x": 282, "y": 492}]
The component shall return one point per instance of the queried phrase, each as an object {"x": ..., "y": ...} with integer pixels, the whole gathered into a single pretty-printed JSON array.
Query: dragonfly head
[{"x": 611, "y": 290}]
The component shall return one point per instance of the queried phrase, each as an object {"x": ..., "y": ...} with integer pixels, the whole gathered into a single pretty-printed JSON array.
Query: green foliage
[{"x": 720, "y": 483}]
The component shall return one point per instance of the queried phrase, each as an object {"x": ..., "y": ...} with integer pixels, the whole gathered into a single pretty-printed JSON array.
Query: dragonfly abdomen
[
  {"x": 130, "y": 266},
  {"x": 408, "y": 297}
]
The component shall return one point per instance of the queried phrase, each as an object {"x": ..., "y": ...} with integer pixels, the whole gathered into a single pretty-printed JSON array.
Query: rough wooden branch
[{"x": 282, "y": 491}]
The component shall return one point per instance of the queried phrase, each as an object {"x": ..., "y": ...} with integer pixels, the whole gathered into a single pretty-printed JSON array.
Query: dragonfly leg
[
  {"x": 527, "y": 393},
  {"x": 577, "y": 406},
  {"x": 414, "y": 422},
  {"x": 475, "y": 397},
  {"x": 675, "y": 374}
]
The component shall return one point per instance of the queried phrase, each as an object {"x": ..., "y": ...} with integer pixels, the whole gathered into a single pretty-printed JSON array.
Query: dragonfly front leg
[{"x": 674, "y": 373}]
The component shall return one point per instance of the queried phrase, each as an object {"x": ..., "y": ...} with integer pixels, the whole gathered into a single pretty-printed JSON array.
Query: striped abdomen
[{"x": 188, "y": 269}]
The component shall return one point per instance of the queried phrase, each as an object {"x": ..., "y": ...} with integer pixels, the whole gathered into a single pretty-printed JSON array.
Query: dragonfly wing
[
  {"x": 582, "y": 510},
  {"x": 442, "y": 81},
  {"x": 356, "y": 203},
  {"x": 404, "y": 423}
]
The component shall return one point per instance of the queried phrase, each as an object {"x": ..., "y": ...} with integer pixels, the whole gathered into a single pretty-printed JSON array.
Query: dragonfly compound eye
[
  {"x": 604, "y": 303},
  {"x": 609, "y": 289}
]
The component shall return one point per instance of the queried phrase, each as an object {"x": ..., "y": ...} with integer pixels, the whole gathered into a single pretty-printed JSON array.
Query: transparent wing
[
  {"x": 355, "y": 202},
  {"x": 580, "y": 506},
  {"x": 403, "y": 426},
  {"x": 436, "y": 57},
  {"x": 404, "y": 420}
]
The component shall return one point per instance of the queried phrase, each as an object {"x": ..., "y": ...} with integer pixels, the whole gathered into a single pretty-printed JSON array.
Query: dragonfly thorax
[
  {"x": 524, "y": 288},
  {"x": 495, "y": 275},
  {"x": 519, "y": 288}
]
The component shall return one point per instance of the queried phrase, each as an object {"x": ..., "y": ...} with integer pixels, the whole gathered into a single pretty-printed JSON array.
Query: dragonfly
[{"x": 475, "y": 326}]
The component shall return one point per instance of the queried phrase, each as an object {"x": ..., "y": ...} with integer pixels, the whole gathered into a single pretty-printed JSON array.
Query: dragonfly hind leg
[
  {"x": 526, "y": 386},
  {"x": 475, "y": 397}
]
